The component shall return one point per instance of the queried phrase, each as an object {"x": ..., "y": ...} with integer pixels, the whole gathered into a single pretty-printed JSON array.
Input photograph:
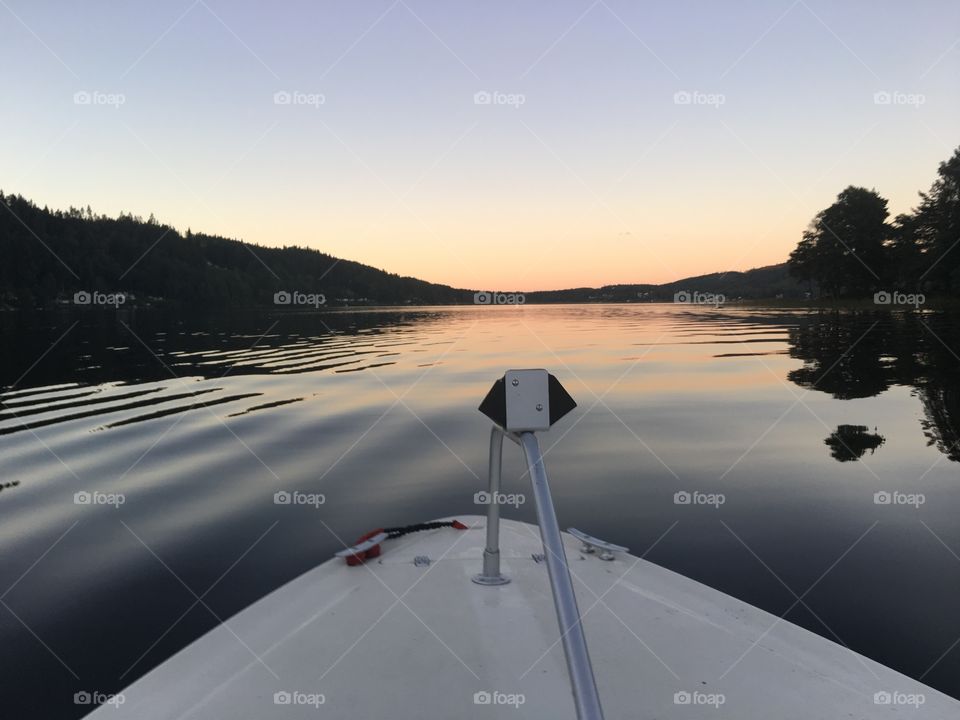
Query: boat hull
[{"x": 401, "y": 637}]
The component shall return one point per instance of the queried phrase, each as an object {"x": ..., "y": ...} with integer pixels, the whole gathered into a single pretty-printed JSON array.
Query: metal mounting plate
[{"x": 528, "y": 400}]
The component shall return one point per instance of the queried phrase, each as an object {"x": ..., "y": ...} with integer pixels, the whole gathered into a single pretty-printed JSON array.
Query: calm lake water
[{"x": 795, "y": 420}]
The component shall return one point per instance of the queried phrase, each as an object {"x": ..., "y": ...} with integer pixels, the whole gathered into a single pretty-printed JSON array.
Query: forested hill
[
  {"x": 767, "y": 282},
  {"x": 47, "y": 256}
]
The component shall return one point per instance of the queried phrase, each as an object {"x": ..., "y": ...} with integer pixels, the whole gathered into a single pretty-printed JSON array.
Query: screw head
[
  {"x": 515, "y": 382},
  {"x": 539, "y": 407}
]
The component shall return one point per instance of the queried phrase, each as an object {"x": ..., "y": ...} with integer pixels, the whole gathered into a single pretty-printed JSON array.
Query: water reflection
[
  {"x": 860, "y": 355},
  {"x": 851, "y": 442},
  {"x": 132, "y": 346},
  {"x": 198, "y": 421},
  {"x": 112, "y": 365},
  {"x": 129, "y": 367}
]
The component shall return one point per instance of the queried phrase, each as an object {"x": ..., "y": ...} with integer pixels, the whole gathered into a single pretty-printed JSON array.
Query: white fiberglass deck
[{"x": 392, "y": 639}]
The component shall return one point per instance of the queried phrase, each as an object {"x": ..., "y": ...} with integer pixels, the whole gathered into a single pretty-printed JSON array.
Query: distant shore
[{"x": 937, "y": 303}]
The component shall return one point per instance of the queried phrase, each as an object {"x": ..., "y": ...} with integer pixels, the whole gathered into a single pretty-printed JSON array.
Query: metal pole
[
  {"x": 491, "y": 553},
  {"x": 585, "y": 695}
]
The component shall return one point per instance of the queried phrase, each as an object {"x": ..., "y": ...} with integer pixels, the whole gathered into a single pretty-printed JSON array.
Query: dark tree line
[
  {"x": 46, "y": 256},
  {"x": 851, "y": 250}
]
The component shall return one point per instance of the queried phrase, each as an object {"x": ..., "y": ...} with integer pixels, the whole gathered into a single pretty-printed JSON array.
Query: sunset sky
[{"x": 622, "y": 141}]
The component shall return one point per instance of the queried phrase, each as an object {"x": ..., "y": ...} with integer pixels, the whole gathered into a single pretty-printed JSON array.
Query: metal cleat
[{"x": 591, "y": 545}]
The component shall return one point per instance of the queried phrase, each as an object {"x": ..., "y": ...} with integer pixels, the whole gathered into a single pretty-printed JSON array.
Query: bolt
[
  {"x": 515, "y": 382},
  {"x": 539, "y": 407}
]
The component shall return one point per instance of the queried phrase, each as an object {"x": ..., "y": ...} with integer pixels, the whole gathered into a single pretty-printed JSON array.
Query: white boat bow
[{"x": 402, "y": 638}]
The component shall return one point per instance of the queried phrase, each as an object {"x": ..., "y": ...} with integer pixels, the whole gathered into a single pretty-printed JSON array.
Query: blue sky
[{"x": 623, "y": 142}]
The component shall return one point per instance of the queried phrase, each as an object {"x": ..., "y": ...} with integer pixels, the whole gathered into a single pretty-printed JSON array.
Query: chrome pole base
[{"x": 481, "y": 579}]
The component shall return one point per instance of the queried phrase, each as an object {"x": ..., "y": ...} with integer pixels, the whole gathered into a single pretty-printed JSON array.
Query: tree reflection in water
[
  {"x": 859, "y": 354},
  {"x": 851, "y": 442}
]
